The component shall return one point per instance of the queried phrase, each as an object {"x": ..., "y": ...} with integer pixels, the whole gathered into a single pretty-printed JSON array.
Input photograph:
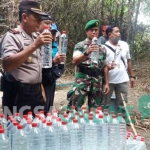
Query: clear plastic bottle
[
  {"x": 28, "y": 127},
  {"x": 76, "y": 136},
  {"x": 42, "y": 114},
  {"x": 90, "y": 135},
  {"x": 9, "y": 125},
  {"x": 4, "y": 141},
  {"x": 114, "y": 134},
  {"x": 63, "y": 137},
  {"x": 100, "y": 111},
  {"x": 34, "y": 140},
  {"x": 94, "y": 55},
  {"x": 123, "y": 131},
  {"x": 48, "y": 117},
  {"x": 82, "y": 126},
  {"x": 19, "y": 139},
  {"x": 46, "y": 52},
  {"x": 102, "y": 133},
  {"x": 36, "y": 119},
  {"x": 30, "y": 115},
  {"x": 24, "y": 120},
  {"x": 17, "y": 117},
  {"x": 55, "y": 112},
  {"x": 50, "y": 138},
  {"x": 3, "y": 121},
  {"x": 63, "y": 42},
  {"x": 142, "y": 145}
]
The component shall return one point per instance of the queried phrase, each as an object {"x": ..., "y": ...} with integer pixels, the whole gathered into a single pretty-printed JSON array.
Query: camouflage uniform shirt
[{"x": 83, "y": 81}]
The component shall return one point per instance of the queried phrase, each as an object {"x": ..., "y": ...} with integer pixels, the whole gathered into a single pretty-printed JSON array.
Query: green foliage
[{"x": 72, "y": 15}]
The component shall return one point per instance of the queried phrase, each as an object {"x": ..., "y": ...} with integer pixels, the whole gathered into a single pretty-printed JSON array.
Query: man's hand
[
  {"x": 59, "y": 58},
  {"x": 92, "y": 48},
  {"x": 132, "y": 82},
  {"x": 43, "y": 38},
  {"x": 106, "y": 89}
]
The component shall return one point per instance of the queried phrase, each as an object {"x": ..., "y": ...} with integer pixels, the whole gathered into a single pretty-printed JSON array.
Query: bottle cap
[
  {"x": 30, "y": 113},
  {"x": 46, "y": 27},
  {"x": 34, "y": 124},
  {"x": 97, "y": 112},
  {"x": 81, "y": 116},
  {"x": 66, "y": 115},
  {"x": 15, "y": 123},
  {"x": 114, "y": 116},
  {"x": 41, "y": 112},
  {"x": 75, "y": 121},
  {"x": 48, "y": 114},
  {"x": 43, "y": 120},
  {"x": 64, "y": 123},
  {"x": 10, "y": 117},
  {"x": 76, "y": 113},
  {"x": 16, "y": 114},
  {"x": 119, "y": 114},
  {"x": 83, "y": 107},
  {"x": 49, "y": 123},
  {"x": 59, "y": 119},
  {"x": 36, "y": 115},
  {"x": 100, "y": 116},
  {"x": 63, "y": 32},
  {"x": 25, "y": 116},
  {"x": 2, "y": 115},
  {"x": 20, "y": 127},
  {"x": 2, "y": 130},
  {"x": 73, "y": 107},
  {"x": 90, "y": 115},
  {"x": 99, "y": 108},
  {"x": 55, "y": 110},
  {"x": 90, "y": 118},
  {"x": 29, "y": 122},
  {"x": 1, "y": 126}
]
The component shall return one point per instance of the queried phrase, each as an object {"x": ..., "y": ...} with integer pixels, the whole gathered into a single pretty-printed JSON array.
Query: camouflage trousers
[{"x": 77, "y": 98}]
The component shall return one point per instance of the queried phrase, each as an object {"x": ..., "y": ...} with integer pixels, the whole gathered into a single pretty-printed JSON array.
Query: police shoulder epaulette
[{"x": 14, "y": 31}]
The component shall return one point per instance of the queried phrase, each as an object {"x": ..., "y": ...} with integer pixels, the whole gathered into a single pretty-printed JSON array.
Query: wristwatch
[
  {"x": 134, "y": 77},
  {"x": 85, "y": 54}
]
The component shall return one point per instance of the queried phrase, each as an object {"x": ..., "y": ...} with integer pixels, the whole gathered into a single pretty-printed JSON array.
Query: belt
[
  {"x": 90, "y": 72},
  {"x": 31, "y": 87}
]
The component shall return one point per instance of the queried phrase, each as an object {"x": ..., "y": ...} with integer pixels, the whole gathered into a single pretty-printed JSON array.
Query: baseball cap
[
  {"x": 104, "y": 28},
  {"x": 54, "y": 27},
  {"x": 32, "y": 6}
]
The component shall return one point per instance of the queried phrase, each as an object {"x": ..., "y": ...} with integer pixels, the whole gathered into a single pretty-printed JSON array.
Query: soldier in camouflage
[{"x": 88, "y": 79}]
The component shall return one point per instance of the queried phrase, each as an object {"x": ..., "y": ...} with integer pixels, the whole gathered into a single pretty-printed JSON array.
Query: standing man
[
  {"x": 103, "y": 39},
  {"x": 88, "y": 79},
  {"x": 21, "y": 61},
  {"x": 119, "y": 63}
]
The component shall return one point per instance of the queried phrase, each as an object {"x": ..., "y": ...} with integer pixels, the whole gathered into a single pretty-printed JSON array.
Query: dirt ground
[{"x": 133, "y": 97}]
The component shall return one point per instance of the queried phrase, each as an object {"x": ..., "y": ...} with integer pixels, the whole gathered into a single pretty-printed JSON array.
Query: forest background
[{"x": 72, "y": 15}]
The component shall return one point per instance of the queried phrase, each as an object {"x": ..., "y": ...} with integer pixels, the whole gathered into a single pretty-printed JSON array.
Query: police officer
[
  {"x": 21, "y": 61},
  {"x": 88, "y": 79}
]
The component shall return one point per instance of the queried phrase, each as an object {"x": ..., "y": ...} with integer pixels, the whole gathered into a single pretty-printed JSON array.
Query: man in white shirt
[{"x": 120, "y": 68}]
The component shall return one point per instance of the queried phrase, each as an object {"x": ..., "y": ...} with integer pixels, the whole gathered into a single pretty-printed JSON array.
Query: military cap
[
  {"x": 32, "y": 6},
  {"x": 92, "y": 23}
]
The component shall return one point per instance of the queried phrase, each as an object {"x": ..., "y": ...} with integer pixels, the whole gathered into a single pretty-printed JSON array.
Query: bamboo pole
[{"x": 128, "y": 115}]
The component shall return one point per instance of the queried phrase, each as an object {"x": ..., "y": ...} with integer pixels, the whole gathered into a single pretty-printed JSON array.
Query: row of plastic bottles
[
  {"x": 135, "y": 142},
  {"x": 82, "y": 130}
]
